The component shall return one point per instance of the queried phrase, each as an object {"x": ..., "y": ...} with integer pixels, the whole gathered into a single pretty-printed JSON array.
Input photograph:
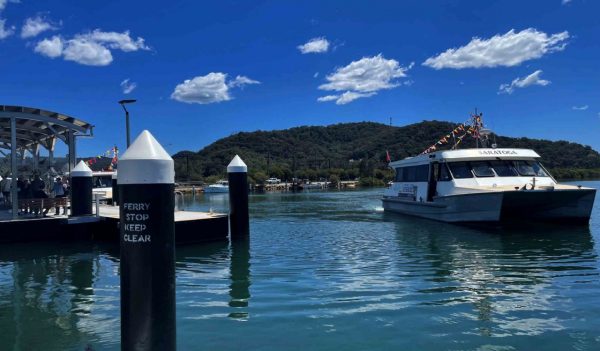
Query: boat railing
[{"x": 98, "y": 195}]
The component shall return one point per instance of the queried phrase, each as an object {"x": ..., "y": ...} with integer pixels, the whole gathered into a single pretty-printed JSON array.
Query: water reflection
[
  {"x": 513, "y": 277},
  {"x": 239, "y": 290},
  {"x": 45, "y": 295},
  {"x": 201, "y": 270}
]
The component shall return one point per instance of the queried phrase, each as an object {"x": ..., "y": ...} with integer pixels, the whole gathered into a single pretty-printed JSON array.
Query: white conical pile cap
[
  {"x": 81, "y": 170},
  {"x": 237, "y": 166},
  {"x": 146, "y": 162}
]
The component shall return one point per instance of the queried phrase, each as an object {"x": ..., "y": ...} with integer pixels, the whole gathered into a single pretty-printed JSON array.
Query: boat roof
[
  {"x": 469, "y": 154},
  {"x": 102, "y": 173}
]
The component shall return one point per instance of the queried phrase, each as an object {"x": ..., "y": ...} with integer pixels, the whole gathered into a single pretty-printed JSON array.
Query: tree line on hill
[{"x": 348, "y": 151}]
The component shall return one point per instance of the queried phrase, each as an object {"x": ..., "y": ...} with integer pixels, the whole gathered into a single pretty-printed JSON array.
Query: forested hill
[{"x": 350, "y": 150}]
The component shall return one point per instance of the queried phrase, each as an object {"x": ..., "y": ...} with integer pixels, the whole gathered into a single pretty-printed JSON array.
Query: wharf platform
[{"x": 190, "y": 227}]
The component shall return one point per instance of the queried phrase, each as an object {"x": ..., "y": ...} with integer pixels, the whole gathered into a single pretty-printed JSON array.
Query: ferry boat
[
  {"x": 222, "y": 186},
  {"x": 482, "y": 184},
  {"x": 102, "y": 184}
]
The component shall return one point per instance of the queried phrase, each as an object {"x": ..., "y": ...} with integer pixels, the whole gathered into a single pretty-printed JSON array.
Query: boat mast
[{"x": 474, "y": 121}]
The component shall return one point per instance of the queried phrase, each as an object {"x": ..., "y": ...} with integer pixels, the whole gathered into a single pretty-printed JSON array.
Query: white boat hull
[
  {"x": 573, "y": 205},
  {"x": 216, "y": 190}
]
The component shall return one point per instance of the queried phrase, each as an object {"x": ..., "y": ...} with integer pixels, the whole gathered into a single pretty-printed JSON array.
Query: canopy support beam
[
  {"x": 13, "y": 166},
  {"x": 72, "y": 150}
]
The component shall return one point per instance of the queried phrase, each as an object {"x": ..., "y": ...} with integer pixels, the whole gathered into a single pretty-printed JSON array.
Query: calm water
[{"x": 327, "y": 271}]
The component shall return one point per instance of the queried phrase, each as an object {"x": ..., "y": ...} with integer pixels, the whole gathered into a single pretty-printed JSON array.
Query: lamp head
[{"x": 130, "y": 101}]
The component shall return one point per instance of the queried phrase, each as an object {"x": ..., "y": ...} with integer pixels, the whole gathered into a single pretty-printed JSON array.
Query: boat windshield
[
  {"x": 461, "y": 170},
  {"x": 102, "y": 181},
  {"x": 529, "y": 168},
  {"x": 504, "y": 169},
  {"x": 501, "y": 168},
  {"x": 482, "y": 169}
]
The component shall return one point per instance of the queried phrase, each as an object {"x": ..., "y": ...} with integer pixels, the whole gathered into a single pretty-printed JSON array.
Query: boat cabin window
[
  {"x": 102, "y": 181},
  {"x": 482, "y": 169},
  {"x": 399, "y": 172},
  {"x": 461, "y": 170},
  {"x": 412, "y": 174},
  {"x": 504, "y": 169},
  {"x": 530, "y": 168},
  {"x": 444, "y": 174}
]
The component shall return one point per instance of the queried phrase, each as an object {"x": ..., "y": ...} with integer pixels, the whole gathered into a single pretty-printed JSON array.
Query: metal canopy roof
[{"x": 38, "y": 127}]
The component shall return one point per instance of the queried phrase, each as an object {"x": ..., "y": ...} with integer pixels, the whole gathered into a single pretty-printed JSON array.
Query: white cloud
[
  {"x": 509, "y": 49},
  {"x": 580, "y": 108},
  {"x": 363, "y": 78},
  {"x": 36, "y": 25},
  {"x": 87, "y": 52},
  {"x": 240, "y": 81},
  {"x": 344, "y": 98},
  {"x": 5, "y": 31},
  {"x": 208, "y": 89},
  {"x": 52, "y": 47},
  {"x": 315, "y": 46},
  {"x": 532, "y": 79},
  {"x": 564, "y": 2},
  {"x": 316, "y": 75},
  {"x": 93, "y": 48},
  {"x": 328, "y": 98},
  {"x": 115, "y": 40},
  {"x": 3, "y": 3},
  {"x": 127, "y": 86}
]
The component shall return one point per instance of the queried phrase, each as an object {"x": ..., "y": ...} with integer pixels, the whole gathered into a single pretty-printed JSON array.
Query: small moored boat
[{"x": 222, "y": 186}]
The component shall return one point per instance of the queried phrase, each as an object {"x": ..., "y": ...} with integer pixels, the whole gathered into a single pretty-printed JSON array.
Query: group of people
[{"x": 33, "y": 188}]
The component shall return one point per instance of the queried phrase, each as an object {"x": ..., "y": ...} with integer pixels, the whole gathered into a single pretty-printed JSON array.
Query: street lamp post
[{"x": 122, "y": 103}]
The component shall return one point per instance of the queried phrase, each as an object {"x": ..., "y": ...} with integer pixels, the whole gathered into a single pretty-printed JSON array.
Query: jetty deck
[{"x": 190, "y": 227}]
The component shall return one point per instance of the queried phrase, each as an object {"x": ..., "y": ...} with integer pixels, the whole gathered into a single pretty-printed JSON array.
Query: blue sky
[{"x": 204, "y": 70}]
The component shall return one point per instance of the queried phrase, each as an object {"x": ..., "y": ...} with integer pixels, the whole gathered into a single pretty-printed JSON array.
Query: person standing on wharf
[{"x": 146, "y": 181}]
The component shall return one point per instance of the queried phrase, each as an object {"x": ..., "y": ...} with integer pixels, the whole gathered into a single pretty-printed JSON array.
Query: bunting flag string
[
  {"x": 470, "y": 127},
  {"x": 445, "y": 139},
  {"x": 112, "y": 152}
]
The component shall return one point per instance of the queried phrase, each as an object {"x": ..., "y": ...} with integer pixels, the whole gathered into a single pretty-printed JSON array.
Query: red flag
[{"x": 388, "y": 159}]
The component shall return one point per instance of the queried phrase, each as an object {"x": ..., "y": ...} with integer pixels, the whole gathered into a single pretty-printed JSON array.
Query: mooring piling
[
  {"x": 115, "y": 189},
  {"x": 146, "y": 181},
  {"x": 81, "y": 190},
  {"x": 237, "y": 173}
]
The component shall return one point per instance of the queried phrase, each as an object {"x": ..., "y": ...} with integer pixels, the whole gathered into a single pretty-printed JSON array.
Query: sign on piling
[
  {"x": 146, "y": 181},
  {"x": 237, "y": 173}
]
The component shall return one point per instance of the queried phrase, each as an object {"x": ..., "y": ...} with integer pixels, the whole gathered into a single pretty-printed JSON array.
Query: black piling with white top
[
  {"x": 115, "y": 190},
  {"x": 81, "y": 190},
  {"x": 146, "y": 181},
  {"x": 239, "y": 221}
]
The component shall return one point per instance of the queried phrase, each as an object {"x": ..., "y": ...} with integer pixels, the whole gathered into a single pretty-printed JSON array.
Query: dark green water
[{"x": 327, "y": 271}]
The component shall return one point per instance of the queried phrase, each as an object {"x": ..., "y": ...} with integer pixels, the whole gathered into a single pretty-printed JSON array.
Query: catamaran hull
[{"x": 572, "y": 205}]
